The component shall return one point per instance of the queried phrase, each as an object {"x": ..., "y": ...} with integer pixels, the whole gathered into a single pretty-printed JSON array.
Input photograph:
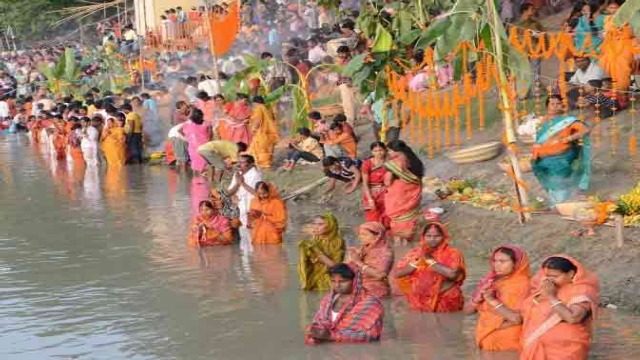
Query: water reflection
[{"x": 94, "y": 264}]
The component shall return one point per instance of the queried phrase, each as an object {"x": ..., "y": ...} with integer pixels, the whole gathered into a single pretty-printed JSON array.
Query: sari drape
[
  {"x": 360, "y": 319},
  {"x": 264, "y": 136},
  {"x": 378, "y": 256},
  {"x": 271, "y": 224},
  {"x": 544, "y": 335},
  {"x": 584, "y": 31},
  {"x": 376, "y": 176},
  {"x": 314, "y": 274},
  {"x": 424, "y": 287},
  {"x": 510, "y": 291},
  {"x": 114, "y": 146},
  {"x": 616, "y": 57},
  {"x": 562, "y": 169},
  {"x": 402, "y": 199},
  {"x": 208, "y": 231},
  {"x": 235, "y": 128}
]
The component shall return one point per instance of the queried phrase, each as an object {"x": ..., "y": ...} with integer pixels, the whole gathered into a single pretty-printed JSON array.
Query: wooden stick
[
  {"x": 306, "y": 188},
  {"x": 619, "y": 219}
]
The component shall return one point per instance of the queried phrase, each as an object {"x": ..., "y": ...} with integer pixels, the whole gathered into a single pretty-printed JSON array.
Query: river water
[{"x": 94, "y": 265}]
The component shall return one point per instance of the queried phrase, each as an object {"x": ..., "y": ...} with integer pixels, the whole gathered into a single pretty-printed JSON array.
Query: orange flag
[{"x": 224, "y": 29}]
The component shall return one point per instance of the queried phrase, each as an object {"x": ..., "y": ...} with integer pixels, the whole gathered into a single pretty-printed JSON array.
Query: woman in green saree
[
  {"x": 561, "y": 158},
  {"x": 323, "y": 250}
]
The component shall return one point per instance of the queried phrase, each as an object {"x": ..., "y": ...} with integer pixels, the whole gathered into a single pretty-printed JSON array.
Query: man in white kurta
[{"x": 243, "y": 186}]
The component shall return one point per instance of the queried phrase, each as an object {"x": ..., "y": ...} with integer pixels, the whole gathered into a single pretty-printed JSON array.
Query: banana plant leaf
[{"x": 383, "y": 41}]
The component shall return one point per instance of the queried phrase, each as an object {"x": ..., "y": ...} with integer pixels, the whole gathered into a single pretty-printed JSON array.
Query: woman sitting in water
[
  {"x": 497, "y": 300},
  {"x": 557, "y": 315},
  {"x": 267, "y": 215},
  {"x": 431, "y": 275},
  {"x": 373, "y": 259},
  {"x": 209, "y": 227},
  {"x": 323, "y": 250},
  {"x": 404, "y": 190},
  {"x": 347, "y": 313}
]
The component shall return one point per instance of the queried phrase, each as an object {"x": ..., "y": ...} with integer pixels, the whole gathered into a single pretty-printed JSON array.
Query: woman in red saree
[
  {"x": 497, "y": 300},
  {"x": 209, "y": 227},
  {"x": 557, "y": 316},
  {"x": 236, "y": 127},
  {"x": 347, "y": 313},
  {"x": 373, "y": 259},
  {"x": 431, "y": 275},
  {"x": 373, "y": 188},
  {"x": 404, "y": 190}
]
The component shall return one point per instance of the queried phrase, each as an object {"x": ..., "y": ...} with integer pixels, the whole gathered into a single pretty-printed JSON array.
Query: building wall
[{"x": 147, "y": 12}]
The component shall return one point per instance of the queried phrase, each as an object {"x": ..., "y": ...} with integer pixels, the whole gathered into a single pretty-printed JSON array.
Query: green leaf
[
  {"x": 628, "y": 13},
  {"x": 362, "y": 75},
  {"x": 519, "y": 67},
  {"x": 275, "y": 95},
  {"x": 404, "y": 21},
  {"x": 354, "y": 65},
  {"x": 409, "y": 37},
  {"x": 70, "y": 68},
  {"x": 433, "y": 32},
  {"x": 383, "y": 40}
]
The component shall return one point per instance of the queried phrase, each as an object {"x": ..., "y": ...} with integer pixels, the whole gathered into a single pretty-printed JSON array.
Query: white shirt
[
  {"x": 91, "y": 138},
  {"x": 251, "y": 178},
  {"x": 174, "y": 132},
  {"x": 317, "y": 54},
  {"x": 593, "y": 72},
  {"x": 209, "y": 86},
  {"x": 191, "y": 92},
  {"x": 4, "y": 109}
]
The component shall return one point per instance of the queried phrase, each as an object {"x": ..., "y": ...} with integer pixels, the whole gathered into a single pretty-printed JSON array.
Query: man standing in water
[
  {"x": 243, "y": 186},
  {"x": 346, "y": 314}
]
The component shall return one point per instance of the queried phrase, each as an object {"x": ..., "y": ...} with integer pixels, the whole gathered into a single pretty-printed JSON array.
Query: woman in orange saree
[
  {"x": 373, "y": 259},
  {"x": 236, "y": 129},
  {"x": 404, "y": 190},
  {"x": 209, "y": 227},
  {"x": 267, "y": 215},
  {"x": 264, "y": 133},
  {"x": 373, "y": 189},
  {"x": 114, "y": 141},
  {"x": 431, "y": 275},
  {"x": 616, "y": 51},
  {"x": 557, "y": 316},
  {"x": 497, "y": 300}
]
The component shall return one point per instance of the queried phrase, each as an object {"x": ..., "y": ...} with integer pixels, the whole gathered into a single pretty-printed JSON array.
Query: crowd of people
[{"x": 231, "y": 143}]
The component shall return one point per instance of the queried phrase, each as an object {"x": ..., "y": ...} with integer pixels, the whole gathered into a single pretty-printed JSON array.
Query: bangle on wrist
[
  {"x": 556, "y": 303},
  {"x": 431, "y": 262},
  {"x": 498, "y": 306},
  {"x": 413, "y": 265},
  {"x": 363, "y": 267}
]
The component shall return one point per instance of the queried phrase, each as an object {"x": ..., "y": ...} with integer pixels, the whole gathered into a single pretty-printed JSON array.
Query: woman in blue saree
[
  {"x": 590, "y": 25},
  {"x": 561, "y": 158}
]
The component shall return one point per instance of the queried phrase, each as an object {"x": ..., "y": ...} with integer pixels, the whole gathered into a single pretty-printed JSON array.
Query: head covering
[
  {"x": 584, "y": 283},
  {"x": 443, "y": 244},
  {"x": 521, "y": 268}
]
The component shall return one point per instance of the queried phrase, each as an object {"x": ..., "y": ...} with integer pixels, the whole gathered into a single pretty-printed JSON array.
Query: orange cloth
[
  {"x": 114, "y": 146},
  {"x": 268, "y": 226},
  {"x": 544, "y": 335},
  {"x": 424, "y": 287},
  {"x": 224, "y": 29},
  {"x": 60, "y": 145},
  {"x": 264, "y": 135},
  {"x": 403, "y": 197},
  {"x": 549, "y": 149},
  {"x": 510, "y": 291},
  {"x": 616, "y": 51},
  {"x": 346, "y": 141}
]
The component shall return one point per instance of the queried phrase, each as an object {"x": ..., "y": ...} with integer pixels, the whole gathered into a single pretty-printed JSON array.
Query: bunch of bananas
[
  {"x": 632, "y": 220},
  {"x": 629, "y": 203}
]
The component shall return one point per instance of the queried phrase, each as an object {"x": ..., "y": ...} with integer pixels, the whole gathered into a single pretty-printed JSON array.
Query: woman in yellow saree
[
  {"x": 264, "y": 133},
  {"x": 324, "y": 249},
  {"x": 114, "y": 142}
]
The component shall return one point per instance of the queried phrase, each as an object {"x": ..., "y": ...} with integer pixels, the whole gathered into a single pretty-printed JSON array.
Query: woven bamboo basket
[
  {"x": 577, "y": 210},
  {"x": 329, "y": 110},
  {"x": 478, "y": 153}
]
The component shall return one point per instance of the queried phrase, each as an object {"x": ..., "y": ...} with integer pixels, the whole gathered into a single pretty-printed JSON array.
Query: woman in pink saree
[
  {"x": 197, "y": 133},
  {"x": 373, "y": 259},
  {"x": 404, "y": 190}
]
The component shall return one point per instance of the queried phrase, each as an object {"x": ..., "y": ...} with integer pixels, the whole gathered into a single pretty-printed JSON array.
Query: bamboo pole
[
  {"x": 521, "y": 193},
  {"x": 619, "y": 221}
]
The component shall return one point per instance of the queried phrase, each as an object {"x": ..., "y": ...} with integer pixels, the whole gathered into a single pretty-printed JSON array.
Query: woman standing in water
[
  {"x": 209, "y": 227},
  {"x": 404, "y": 190},
  {"x": 431, "y": 275},
  {"x": 558, "y": 314},
  {"x": 114, "y": 142},
  {"x": 267, "y": 215},
  {"x": 373, "y": 259},
  {"x": 373, "y": 173},
  {"x": 497, "y": 300},
  {"x": 197, "y": 133},
  {"x": 323, "y": 250}
]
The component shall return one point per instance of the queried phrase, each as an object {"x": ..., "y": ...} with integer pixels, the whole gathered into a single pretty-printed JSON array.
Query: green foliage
[
  {"x": 629, "y": 13},
  {"x": 64, "y": 75},
  {"x": 32, "y": 19}
]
